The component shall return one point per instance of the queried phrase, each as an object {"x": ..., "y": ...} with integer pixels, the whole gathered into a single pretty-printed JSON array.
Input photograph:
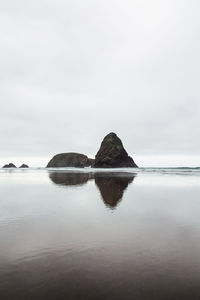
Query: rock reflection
[
  {"x": 110, "y": 185},
  {"x": 66, "y": 179}
]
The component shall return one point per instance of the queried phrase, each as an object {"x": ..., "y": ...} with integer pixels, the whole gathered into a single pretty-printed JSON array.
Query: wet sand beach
[{"x": 85, "y": 234}]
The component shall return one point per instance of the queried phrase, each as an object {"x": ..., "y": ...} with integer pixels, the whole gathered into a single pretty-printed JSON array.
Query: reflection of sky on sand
[{"x": 150, "y": 241}]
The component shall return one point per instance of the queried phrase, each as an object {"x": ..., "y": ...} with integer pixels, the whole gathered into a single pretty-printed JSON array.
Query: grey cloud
[{"x": 72, "y": 71}]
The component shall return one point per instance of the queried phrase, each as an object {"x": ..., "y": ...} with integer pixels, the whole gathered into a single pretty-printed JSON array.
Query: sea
[{"x": 100, "y": 234}]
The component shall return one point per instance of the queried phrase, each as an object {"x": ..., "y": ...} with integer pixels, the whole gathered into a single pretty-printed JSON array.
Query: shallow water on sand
[{"x": 97, "y": 234}]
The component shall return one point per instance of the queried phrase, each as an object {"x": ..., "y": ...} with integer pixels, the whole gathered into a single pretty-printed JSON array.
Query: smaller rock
[
  {"x": 70, "y": 159},
  {"x": 24, "y": 166},
  {"x": 10, "y": 165}
]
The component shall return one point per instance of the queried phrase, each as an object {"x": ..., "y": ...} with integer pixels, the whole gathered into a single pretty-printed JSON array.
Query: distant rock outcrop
[
  {"x": 112, "y": 154},
  {"x": 10, "y": 165},
  {"x": 70, "y": 159},
  {"x": 24, "y": 166}
]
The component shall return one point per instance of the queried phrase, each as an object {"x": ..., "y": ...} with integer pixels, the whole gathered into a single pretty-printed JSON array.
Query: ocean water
[{"x": 100, "y": 234}]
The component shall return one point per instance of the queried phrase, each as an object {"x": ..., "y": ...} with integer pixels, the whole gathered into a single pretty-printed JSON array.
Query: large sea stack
[
  {"x": 112, "y": 154},
  {"x": 70, "y": 159}
]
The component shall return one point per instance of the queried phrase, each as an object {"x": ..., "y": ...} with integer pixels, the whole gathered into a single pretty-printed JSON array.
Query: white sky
[{"x": 72, "y": 71}]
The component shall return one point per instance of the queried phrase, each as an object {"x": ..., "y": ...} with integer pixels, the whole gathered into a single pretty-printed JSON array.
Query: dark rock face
[
  {"x": 24, "y": 166},
  {"x": 10, "y": 165},
  {"x": 70, "y": 160},
  {"x": 112, "y": 154},
  {"x": 90, "y": 162}
]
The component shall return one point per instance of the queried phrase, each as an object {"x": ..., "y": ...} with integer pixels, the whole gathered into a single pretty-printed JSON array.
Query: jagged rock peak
[{"x": 112, "y": 154}]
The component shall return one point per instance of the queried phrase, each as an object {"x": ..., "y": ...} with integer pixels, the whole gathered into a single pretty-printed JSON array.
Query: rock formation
[
  {"x": 90, "y": 162},
  {"x": 10, "y": 165},
  {"x": 24, "y": 166},
  {"x": 112, "y": 154},
  {"x": 70, "y": 160}
]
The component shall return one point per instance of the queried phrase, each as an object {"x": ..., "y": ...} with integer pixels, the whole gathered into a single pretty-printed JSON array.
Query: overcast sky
[{"x": 72, "y": 71}]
